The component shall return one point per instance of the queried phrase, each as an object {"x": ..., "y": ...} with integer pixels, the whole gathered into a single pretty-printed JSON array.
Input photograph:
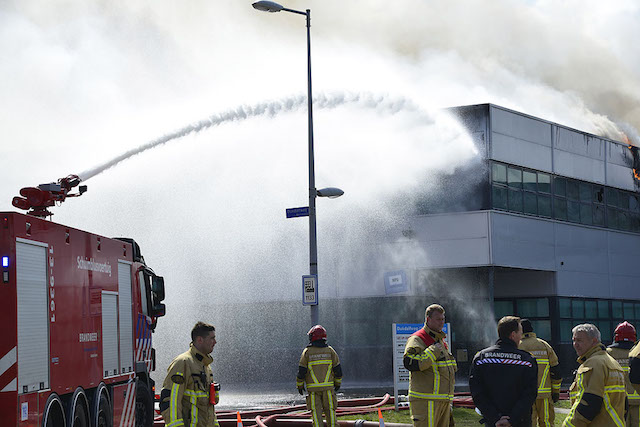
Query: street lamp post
[{"x": 269, "y": 6}]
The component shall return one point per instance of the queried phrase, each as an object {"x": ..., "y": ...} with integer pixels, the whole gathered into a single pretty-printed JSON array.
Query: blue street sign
[{"x": 296, "y": 212}]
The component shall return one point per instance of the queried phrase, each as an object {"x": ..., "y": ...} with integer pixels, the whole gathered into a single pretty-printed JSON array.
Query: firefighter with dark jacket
[
  {"x": 624, "y": 337},
  {"x": 188, "y": 393},
  {"x": 598, "y": 395},
  {"x": 549, "y": 377},
  {"x": 432, "y": 372},
  {"x": 504, "y": 380},
  {"x": 319, "y": 368}
]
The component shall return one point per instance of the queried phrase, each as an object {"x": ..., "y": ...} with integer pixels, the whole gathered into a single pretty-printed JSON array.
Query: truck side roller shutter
[
  {"x": 109, "y": 333},
  {"x": 125, "y": 317},
  {"x": 33, "y": 316}
]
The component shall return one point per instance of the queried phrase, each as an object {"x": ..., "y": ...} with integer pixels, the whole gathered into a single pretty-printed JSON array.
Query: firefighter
[
  {"x": 624, "y": 337},
  {"x": 320, "y": 370},
  {"x": 432, "y": 372},
  {"x": 598, "y": 395},
  {"x": 549, "y": 377},
  {"x": 188, "y": 393},
  {"x": 504, "y": 379}
]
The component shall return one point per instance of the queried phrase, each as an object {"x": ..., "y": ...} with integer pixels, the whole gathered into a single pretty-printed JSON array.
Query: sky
[{"x": 82, "y": 82}]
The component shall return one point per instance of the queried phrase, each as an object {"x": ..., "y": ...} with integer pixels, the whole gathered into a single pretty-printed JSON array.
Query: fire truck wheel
[
  {"x": 80, "y": 416},
  {"x": 144, "y": 406},
  {"x": 104, "y": 413}
]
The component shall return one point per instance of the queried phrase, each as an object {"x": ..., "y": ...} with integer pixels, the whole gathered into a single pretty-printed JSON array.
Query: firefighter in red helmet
[
  {"x": 623, "y": 340},
  {"x": 319, "y": 369}
]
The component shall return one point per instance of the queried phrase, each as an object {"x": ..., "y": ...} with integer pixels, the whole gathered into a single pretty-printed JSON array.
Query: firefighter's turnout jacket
[
  {"x": 620, "y": 352},
  {"x": 319, "y": 367},
  {"x": 431, "y": 365},
  {"x": 504, "y": 382},
  {"x": 184, "y": 400},
  {"x": 598, "y": 396},
  {"x": 549, "y": 377},
  {"x": 634, "y": 367}
]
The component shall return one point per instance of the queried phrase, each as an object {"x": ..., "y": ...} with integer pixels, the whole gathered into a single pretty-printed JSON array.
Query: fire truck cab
[{"x": 78, "y": 310}]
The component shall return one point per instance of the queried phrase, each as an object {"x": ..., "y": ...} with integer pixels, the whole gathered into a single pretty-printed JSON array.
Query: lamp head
[{"x": 267, "y": 6}]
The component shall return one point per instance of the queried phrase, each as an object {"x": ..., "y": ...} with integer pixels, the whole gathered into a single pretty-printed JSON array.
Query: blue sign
[
  {"x": 395, "y": 282},
  {"x": 296, "y": 212},
  {"x": 410, "y": 328}
]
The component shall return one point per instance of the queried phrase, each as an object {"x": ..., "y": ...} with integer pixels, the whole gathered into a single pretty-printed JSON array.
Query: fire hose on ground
[{"x": 299, "y": 416}]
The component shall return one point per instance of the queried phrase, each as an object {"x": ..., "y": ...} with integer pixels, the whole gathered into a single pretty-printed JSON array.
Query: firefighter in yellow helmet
[
  {"x": 320, "y": 370},
  {"x": 188, "y": 393},
  {"x": 432, "y": 369},
  {"x": 624, "y": 337},
  {"x": 598, "y": 395},
  {"x": 549, "y": 377}
]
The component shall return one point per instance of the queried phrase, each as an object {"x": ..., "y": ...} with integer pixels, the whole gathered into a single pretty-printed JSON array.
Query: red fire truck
[{"x": 78, "y": 310}]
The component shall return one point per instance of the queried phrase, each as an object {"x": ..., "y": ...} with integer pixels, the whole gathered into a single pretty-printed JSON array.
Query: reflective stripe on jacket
[
  {"x": 599, "y": 378},
  {"x": 436, "y": 378},
  {"x": 546, "y": 359},
  {"x": 186, "y": 388}
]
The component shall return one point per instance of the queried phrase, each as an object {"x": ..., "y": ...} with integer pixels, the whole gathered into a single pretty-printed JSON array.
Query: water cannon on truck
[{"x": 78, "y": 314}]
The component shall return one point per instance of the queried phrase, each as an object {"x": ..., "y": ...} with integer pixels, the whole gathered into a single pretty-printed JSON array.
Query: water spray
[{"x": 379, "y": 103}]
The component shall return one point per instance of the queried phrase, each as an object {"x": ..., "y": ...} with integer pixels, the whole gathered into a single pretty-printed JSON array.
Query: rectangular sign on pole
[
  {"x": 400, "y": 334},
  {"x": 296, "y": 212},
  {"x": 310, "y": 290}
]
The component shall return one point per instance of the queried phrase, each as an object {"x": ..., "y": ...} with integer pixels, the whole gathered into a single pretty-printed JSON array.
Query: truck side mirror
[
  {"x": 157, "y": 287},
  {"x": 158, "y": 310}
]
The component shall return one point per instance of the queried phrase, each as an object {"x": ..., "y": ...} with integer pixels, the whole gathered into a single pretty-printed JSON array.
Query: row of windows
[
  {"x": 605, "y": 314},
  {"x": 537, "y": 193}
]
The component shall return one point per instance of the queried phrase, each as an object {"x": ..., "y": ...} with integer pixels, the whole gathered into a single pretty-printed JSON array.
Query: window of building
[
  {"x": 542, "y": 329},
  {"x": 544, "y": 183},
  {"x": 544, "y": 206},
  {"x": 616, "y": 309},
  {"x": 529, "y": 181},
  {"x": 560, "y": 209},
  {"x": 499, "y": 197},
  {"x": 586, "y": 214},
  {"x": 603, "y": 309},
  {"x": 628, "y": 310},
  {"x": 515, "y": 200},
  {"x": 590, "y": 309},
  {"x": 573, "y": 191},
  {"x": 577, "y": 308},
  {"x": 503, "y": 308},
  {"x": 573, "y": 211},
  {"x": 514, "y": 177},
  {"x": 560, "y": 186},
  {"x": 542, "y": 194},
  {"x": 564, "y": 305},
  {"x": 499, "y": 173},
  {"x": 533, "y": 307},
  {"x": 604, "y": 326},
  {"x": 530, "y": 204}
]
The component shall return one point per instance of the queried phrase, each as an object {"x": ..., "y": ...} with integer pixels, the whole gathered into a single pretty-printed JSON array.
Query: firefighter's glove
[
  {"x": 555, "y": 397},
  {"x": 301, "y": 390},
  {"x": 336, "y": 387}
]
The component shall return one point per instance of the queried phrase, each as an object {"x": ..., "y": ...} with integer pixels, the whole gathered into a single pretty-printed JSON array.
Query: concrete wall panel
[
  {"x": 520, "y": 127},
  {"x": 578, "y": 166}
]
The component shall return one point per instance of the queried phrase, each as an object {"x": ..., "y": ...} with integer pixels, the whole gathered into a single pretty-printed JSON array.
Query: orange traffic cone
[
  {"x": 380, "y": 418},
  {"x": 239, "y": 419}
]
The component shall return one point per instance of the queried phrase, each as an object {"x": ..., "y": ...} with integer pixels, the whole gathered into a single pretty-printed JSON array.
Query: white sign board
[
  {"x": 310, "y": 290},
  {"x": 400, "y": 334}
]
